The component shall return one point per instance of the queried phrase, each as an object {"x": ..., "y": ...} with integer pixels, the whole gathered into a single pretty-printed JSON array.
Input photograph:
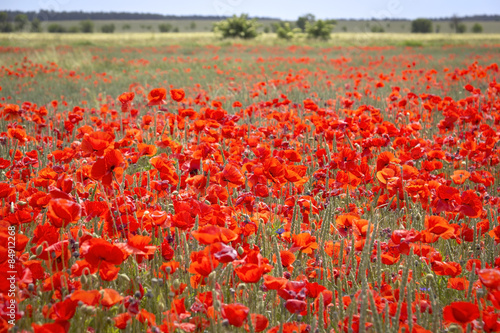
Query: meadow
[
  {"x": 205, "y": 25},
  {"x": 182, "y": 183}
]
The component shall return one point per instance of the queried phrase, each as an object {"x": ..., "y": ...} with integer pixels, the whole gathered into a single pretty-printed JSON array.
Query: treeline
[{"x": 47, "y": 15}]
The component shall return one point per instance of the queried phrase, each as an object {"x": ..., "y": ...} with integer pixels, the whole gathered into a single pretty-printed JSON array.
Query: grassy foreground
[{"x": 180, "y": 183}]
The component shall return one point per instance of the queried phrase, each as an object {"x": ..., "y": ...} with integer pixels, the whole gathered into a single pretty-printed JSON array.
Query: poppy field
[{"x": 249, "y": 188}]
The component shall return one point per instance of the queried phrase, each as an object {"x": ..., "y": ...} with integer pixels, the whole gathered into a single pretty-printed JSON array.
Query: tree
[
  {"x": 477, "y": 28},
  {"x": 421, "y": 25},
  {"x": 20, "y": 22},
  {"x": 461, "y": 28},
  {"x": 319, "y": 29},
  {"x": 285, "y": 31},
  {"x": 55, "y": 28},
  {"x": 165, "y": 27},
  {"x": 36, "y": 25},
  {"x": 87, "y": 26},
  {"x": 377, "y": 28},
  {"x": 302, "y": 21},
  {"x": 455, "y": 23},
  {"x": 108, "y": 28},
  {"x": 192, "y": 26},
  {"x": 5, "y": 25},
  {"x": 237, "y": 27}
]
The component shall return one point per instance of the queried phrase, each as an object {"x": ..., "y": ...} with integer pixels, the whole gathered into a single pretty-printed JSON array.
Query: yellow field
[{"x": 201, "y": 38}]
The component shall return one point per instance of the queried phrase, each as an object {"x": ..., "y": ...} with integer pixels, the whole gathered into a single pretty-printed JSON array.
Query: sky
[{"x": 283, "y": 9}]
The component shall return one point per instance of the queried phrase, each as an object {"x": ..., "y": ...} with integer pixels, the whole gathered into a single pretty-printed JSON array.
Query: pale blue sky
[{"x": 283, "y": 9}]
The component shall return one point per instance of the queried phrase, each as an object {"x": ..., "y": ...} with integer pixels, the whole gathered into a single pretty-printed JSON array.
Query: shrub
[
  {"x": 285, "y": 31},
  {"x": 320, "y": 29},
  {"x": 461, "y": 28},
  {"x": 421, "y": 26},
  {"x": 303, "y": 21},
  {"x": 126, "y": 26},
  {"x": 56, "y": 28},
  {"x": 87, "y": 26},
  {"x": 108, "y": 28},
  {"x": 5, "y": 25},
  {"x": 74, "y": 29},
  {"x": 237, "y": 27},
  {"x": 165, "y": 27},
  {"x": 20, "y": 22},
  {"x": 36, "y": 25},
  {"x": 377, "y": 28},
  {"x": 477, "y": 28}
]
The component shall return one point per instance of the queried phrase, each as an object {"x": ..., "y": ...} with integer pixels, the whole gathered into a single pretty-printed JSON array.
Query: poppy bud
[
  {"x": 211, "y": 278},
  {"x": 242, "y": 286},
  {"x": 124, "y": 276},
  {"x": 176, "y": 284},
  {"x": 313, "y": 226},
  {"x": 39, "y": 250},
  {"x": 240, "y": 250}
]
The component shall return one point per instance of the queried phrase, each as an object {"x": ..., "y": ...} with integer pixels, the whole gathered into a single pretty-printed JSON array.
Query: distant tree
[
  {"x": 55, "y": 28},
  {"x": 285, "y": 31},
  {"x": 421, "y": 25},
  {"x": 319, "y": 30},
  {"x": 344, "y": 28},
  {"x": 238, "y": 27},
  {"x": 461, "y": 28},
  {"x": 36, "y": 25},
  {"x": 192, "y": 26},
  {"x": 20, "y": 22},
  {"x": 165, "y": 27},
  {"x": 108, "y": 28},
  {"x": 87, "y": 26},
  {"x": 377, "y": 28},
  {"x": 74, "y": 29},
  {"x": 175, "y": 29},
  {"x": 455, "y": 23},
  {"x": 267, "y": 29},
  {"x": 438, "y": 28},
  {"x": 477, "y": 28},
  {"x": 302, "y": 21},
  {"x": 126, "y": 26},
  {"x": 5, "y": 25}
]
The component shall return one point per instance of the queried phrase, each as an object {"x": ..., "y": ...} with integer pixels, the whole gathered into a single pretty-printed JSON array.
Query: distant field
[
  {"x": 206, "y": 25},
  {"x": 205, "y": 38}
]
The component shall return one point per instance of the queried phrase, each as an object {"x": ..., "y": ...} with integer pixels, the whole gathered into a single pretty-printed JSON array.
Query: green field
[{"x": 342, "y": 25}]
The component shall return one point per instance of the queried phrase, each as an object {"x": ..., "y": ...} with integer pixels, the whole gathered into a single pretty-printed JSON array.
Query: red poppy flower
[
  {"x": 157, "y": 96},
  {"x": 490, "y": 278},
  {"x": 235, "y": 313},
  {"x": 460, "y": 313},
  {"x": 62, "y": 212},
  {"x": 232, "y": 174},
  {"x": 177, "y": 94}
]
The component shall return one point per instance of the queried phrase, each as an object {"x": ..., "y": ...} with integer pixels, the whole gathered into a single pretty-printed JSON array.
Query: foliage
[
  {"x": 20, "y": 22},
  {"x": 108, "y": 28},
  {"x": 36, "y": 25},
  {"x": 377, "y": 28},
  {"x": 56, "y": 28},
  {"x": 285, "y": 31},
  {"x": 477, "y": 28},
  {"x": 421, "y": 25},
  {"x": 320, "y": 29},
  {"x": 5, "y": 25},
  {"x": 238, "y": 27},
  {"x": 304, "y": 20},
  {"x": 87, "y": 26},
  {"x": 165, "y": 27},
  {"x": 461, "y": 28}
]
